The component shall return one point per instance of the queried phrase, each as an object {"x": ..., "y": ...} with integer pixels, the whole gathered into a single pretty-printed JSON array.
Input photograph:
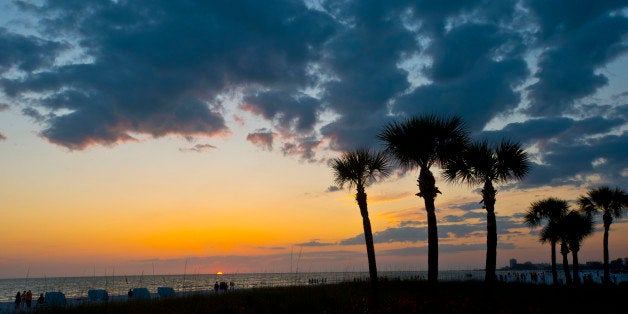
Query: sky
[{"x": 195, "y": 136}]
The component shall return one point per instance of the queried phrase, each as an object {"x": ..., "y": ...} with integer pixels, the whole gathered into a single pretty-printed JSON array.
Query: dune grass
[{"x": 394, "y": 297}]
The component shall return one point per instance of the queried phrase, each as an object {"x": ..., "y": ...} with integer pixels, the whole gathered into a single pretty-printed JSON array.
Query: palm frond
[
  {"x": 360, "y": 167},
  {"x": 512, "y": 161},
  {"x": 604, "y": 200},
  {"x": 422, "y": 141}
]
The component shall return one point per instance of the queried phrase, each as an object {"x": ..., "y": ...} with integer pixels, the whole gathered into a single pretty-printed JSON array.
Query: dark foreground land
[{"x": 394, "y": 297}]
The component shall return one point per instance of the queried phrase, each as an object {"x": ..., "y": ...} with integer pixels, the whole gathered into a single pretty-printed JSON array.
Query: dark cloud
[
  {"x": 468, "y": 206},
  {"x": 443, "y": 248},
  {"x": 156, "y": 68},
  {"x": 333, "y": 188},
  {"x": 27, "y": 53},
  {"x": 262, "y": 138},
  {"x": 578, "y": 38},
  {"x": 291, "y": 113},
  {"x": 3, "y": 107},
  {"x": 198, "y": 148},
  {"x": 326, "y": 78},
  {"x": 448, "y": 228},
  {"x": 302, "y": 147},
  {"x": 463, "y": 217},
  {"x": 569, "y": 162},
  {"x": 2, "y": 137}
]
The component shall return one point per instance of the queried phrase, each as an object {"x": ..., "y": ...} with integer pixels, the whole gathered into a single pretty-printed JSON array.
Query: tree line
[{"x": 420, "y": 142}]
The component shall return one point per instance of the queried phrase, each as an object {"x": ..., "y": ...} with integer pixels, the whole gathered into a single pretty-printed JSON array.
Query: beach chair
[
  {"x": 98, "y": 295},
  {"x": 165, "y": 292},
  {"x": 54, "y": 299},
  {"x": 141, "y": 294}
]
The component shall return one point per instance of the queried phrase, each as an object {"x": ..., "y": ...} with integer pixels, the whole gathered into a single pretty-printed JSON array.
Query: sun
[{"x": 219, "y": 273}]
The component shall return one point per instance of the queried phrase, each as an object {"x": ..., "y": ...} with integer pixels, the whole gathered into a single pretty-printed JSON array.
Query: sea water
[{"x": 77, "y": 287}]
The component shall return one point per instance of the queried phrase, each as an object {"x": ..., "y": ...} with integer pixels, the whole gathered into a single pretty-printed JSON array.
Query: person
[
  {"x": 41, "y": 300},
  {"x": 18, "y": 300},
  {"x": 29, "y": 299},
  {"x": 216, "y": 286},
  {"x": 130, "y": 294},
  {"x": 23, "y": 304}
]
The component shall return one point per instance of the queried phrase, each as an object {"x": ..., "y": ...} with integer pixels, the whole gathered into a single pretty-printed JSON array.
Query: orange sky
[{"x": 236, "y": 208}]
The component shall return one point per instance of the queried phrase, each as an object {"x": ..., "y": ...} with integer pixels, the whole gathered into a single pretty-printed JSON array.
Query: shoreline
[{"x": 397, "y": 296}]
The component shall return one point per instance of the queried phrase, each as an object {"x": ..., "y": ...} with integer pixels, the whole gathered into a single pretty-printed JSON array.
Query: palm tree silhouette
[
  {"x": 574, "y": 227},
  {"x": 359, "y": 168},
  {"x": 551, "y": 210},
  {"x": 485, "y": 164},
  {"x": 611, "y": 203},
  {"x": 422, "y": 142}
]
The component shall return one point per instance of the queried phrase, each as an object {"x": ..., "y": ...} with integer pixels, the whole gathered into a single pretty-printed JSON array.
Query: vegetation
[
  {"x": 612, "y": 204},
  {"x": 422, "y": 142},
  {"x": 396, "y": 297},
  {"x": 574, "y": 228},
  {"x": 484, "y": 164},
  {"x": 551, "y": 210},
  {"x": 359, "y": 168}
]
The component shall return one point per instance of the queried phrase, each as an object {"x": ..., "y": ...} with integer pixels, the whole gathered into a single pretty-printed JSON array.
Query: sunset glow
[{"x": 197, "y": 139}]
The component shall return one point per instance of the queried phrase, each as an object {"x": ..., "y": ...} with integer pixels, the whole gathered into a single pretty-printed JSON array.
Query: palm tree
[
  {"x": 485, "y": 164},
  {"x": 423, "y": 142},
  {"x": 551, "y": 209},
  {"x": 553, "y": 233},
  {"x": 611, "y": 203},
  {"x": 574, "y": 227},
  {"x": 359, "y": 168}
]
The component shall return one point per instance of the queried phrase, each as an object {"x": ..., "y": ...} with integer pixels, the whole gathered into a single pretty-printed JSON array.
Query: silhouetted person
[
  {"x": 41, "y": 300},
  {"x": 216, "y": 287},
  {"x": 130, "y": 294},
  {"x": 29, "y": 299},
  {"x": 18, "y": 300}
]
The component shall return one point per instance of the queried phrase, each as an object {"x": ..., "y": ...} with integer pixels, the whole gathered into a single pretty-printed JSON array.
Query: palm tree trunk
[
  {"x": 607, "y": 225},
  {"x": 554, "y": 271},
  {"x": 565, "y": 252},
  {"x": 368, "y": 234},
  {"x": 488, "y": 197},
  {"x": 576, "y": 267},
  {"x": 428, "y": 190}
]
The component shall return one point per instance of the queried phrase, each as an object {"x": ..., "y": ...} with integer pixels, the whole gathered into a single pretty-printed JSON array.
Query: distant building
[{"x": 513, "y": 263}]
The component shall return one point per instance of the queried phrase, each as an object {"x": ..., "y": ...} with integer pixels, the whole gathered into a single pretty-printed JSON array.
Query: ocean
[{"x": 77, "y": 287}]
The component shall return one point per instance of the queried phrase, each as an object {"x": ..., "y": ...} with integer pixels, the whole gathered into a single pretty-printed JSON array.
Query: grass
[{"x": 394, "y": 297}]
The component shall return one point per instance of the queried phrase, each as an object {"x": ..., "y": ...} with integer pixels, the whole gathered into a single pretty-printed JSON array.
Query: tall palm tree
[
  {"x": 360, "y": 168},
  {"x": 551, "y": 210},
  {"x": 574, "y": 227},
  {"x": 422, "y": 142},
  {"x": 553, "y": 232},
  {"x": 485, "y": 164},
  {"x": 612, "y": 204}
]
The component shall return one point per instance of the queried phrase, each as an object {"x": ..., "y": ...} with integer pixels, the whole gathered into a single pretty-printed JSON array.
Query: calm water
[{"x": 77, "y": 287}]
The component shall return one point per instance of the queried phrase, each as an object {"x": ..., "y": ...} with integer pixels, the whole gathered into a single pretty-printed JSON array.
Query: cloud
[
  {"x": 262, "y": 138},
  {"x": 578, "y": 40},
  {"x": 449, "y": 227},
  {"x": 198, "y": 148},
  {"x": 325, "y": 78},
  {"x": 149, "y": 73},
  {"x": 314, "y": 243},
  {"x": 2, "y": 137},
  {"x": 3, "y": 107},
  {"x": 443, "y": 248},
  {"x": 332, "y": 188},
  {"x": 27, "y": 53}
]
